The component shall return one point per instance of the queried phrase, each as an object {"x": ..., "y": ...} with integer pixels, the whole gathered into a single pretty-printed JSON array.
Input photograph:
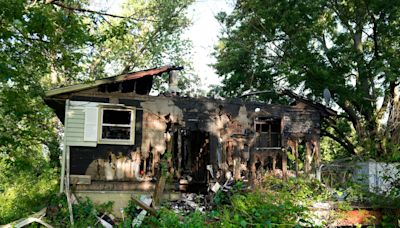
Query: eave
[{"x": 114, "y": 79}]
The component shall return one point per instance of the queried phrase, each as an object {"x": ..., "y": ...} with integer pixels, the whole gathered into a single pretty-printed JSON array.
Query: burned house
[{"x": 116, "y": 134}]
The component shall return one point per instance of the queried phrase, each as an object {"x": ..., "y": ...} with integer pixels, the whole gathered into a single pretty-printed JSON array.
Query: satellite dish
[{"x": 327, "y": 96}]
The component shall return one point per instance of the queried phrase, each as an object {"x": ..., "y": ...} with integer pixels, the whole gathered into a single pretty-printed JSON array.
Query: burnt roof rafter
[{"x": 114, "y": 79}]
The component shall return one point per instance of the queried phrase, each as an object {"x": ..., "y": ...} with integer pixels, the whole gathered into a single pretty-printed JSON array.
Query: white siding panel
[
  {"x": 74, "y": 130},
  {"x": 75, "y": 126},
  {"x": 76, "y": 120},
  {"x": 91, "y": 124}
]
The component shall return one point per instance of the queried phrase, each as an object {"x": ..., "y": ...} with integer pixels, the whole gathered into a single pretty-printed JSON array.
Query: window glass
[
  {"x": 110, "y": 132},
  {"x": 264, "y": 128},
  {"x": 116, "y": 124},
  {"x": 116, "y": 116},
  {"x": 275, "y": 127},
  {"x": 270, "y": 130}
]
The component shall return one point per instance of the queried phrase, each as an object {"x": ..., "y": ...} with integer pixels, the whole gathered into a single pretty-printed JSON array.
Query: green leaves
[
  {"x": 25, "y": 192},
  {"x": 312, "y": 45},
  {"x": 151, "y": 36},
  {"x": 52, "y": 45}
]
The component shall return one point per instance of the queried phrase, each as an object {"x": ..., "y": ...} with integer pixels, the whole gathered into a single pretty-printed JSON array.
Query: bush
[
  {"x": 26, "y": 193},
  {"x": 263, "y": 208},
  {"x": 167, "y": 218},
  {"x": 301, "y": 190},
  {"x": 84, "y": 213},
  {"x": 275, "y": 203}
]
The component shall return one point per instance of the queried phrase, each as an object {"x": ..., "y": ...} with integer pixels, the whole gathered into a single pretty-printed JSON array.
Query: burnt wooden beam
[
  {"x": 284, "y": 164},
  {"x": 159, "y": 190},
  {"x": 144, "y": 206},
  {"x": 308, "y": 158}
]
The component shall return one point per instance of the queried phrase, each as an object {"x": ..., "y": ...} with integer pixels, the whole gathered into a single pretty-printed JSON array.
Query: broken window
[
  {"x": 117, "y": 125},
  {"x": 269, "y": 132}
]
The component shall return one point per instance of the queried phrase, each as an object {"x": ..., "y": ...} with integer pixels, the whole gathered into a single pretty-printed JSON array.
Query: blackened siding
[{"x": 81, "y": 157}]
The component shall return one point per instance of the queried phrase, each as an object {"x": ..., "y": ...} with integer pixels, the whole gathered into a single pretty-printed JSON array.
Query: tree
[
  {"x": 145, "y": 34},
  {"x": 158, "y": 40},
  {"x": 36, "y": 39},
  {"x": 350, "y": 47},
  {"x": 54, "y": 43}
]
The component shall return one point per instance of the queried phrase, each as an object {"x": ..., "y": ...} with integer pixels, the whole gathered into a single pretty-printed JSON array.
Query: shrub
[
  {"x": 275, "y": 203},
  {"x": 26, "y": 193},
  {"x": 84, "y": 213},
  {"x": 262, "y": 208},
  {"x": 301, "y": 190},
  {"x": 167, "y": 218}
]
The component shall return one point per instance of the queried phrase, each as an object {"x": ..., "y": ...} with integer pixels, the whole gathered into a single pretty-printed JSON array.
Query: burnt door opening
[
  {"x": 195, "y": 158},
  {"x": 268, "y": 132}
]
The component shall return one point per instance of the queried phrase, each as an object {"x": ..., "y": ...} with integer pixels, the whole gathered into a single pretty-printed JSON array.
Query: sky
[{"x": 203, "y": 33}]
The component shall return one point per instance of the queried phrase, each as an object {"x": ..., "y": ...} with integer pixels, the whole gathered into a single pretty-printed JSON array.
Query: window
[
  {"x": 117, "y": 126},
  {"x": 269, "y": 132}
]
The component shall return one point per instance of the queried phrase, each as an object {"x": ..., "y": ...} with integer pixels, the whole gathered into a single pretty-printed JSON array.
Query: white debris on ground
[
  {"x": 189, "y": 202},
  {"x": 147, "y": 200}
]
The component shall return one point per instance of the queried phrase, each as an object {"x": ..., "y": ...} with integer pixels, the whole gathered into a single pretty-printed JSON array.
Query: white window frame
[{"x": 131, "y": 140}]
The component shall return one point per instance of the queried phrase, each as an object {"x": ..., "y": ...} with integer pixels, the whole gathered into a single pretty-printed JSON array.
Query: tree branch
[
  {"x": 62, "y": 5},
  {"x": 348, "y": 147},
  {"x": 347, "y": 107},
  {"x": 389, "y": 94},
  {"x": 326, "y": 49},
  {"x": 375, "y": 36},
  {"x": 82, "y": 10},
  {"x": 340, "y": 133},
  {"x": 155, "y": 33}
]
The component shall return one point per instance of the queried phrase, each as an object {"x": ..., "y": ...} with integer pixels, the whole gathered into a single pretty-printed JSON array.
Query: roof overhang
[
  {"x": 114, "y": 79},
  {"x": 325, "y": 111}
]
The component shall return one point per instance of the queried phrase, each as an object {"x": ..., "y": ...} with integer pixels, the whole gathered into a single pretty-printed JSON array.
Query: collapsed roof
[{"x": 141, "y": 82}]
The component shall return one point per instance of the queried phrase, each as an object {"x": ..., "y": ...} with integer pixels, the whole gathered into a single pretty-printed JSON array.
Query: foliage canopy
[
  {"x": 54, "y": 43},
  {"x": 350, "y": 47}
]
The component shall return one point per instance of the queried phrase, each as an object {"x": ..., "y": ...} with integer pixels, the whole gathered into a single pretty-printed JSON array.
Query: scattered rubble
[
  {"x": 144, "y": 202},
  {"x": 106, "y": 223},
  {"x": 189, "y": 202}
]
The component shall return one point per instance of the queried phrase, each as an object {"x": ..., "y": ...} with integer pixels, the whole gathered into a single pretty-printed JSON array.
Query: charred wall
[
  {"x": 81, "y": 158},
  {"x": 197, "y": 132}
]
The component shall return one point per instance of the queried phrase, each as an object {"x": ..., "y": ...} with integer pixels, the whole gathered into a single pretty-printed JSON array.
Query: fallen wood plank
[
  {"x": 144, "y": 206},
  {"x": 26, "y": 221},
  {"x": 146, "y": 199},
  {"x": 30, "y": 220},
  {"x": 147, "y": 208},
  {"x": 67, "y": 193},
  {"x": 159, "y": 190},
  {"x": 80, "y": 179},
  {"x": 137, "y": 222}
]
